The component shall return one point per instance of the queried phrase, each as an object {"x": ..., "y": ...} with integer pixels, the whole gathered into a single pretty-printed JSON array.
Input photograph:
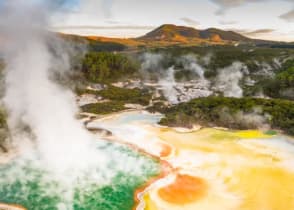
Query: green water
[{"x": 25, "y": 182}]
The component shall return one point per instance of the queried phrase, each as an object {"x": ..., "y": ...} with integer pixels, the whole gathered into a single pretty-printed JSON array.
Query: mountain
[
  {"x": 224, "y": 35},
  {"x": 170, "y": 32},
  {"x": 169, "y": 35},
  {"x": 183, "y": 34}
]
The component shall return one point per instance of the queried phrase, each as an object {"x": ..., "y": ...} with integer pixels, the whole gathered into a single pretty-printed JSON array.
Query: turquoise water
[
  {"x": 110, "y": 186},
  {"x": 130, "y": 117}
]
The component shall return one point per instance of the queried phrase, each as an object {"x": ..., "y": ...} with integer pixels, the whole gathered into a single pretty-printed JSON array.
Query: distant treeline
[
  {"x": 222, "y": 56},
  {"x": 93, "y": 45},
  {"x": 285, "y": 46},
  {"x": 103, "y": 67},
  {"x": 98, "y": 46},
  {"x": 108, "y": 67}
]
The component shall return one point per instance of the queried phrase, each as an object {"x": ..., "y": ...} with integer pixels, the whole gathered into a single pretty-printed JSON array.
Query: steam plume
[
  {"x": 190, "y": 63},
  {"x": 168, "y": 85},
  {"x": 32, "y": 98},
  {"x": 228, "y": 79},
  {"x": 173, "y": 90}
]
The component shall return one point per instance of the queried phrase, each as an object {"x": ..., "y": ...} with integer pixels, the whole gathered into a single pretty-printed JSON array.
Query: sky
[{"x": 264, "y": 19}]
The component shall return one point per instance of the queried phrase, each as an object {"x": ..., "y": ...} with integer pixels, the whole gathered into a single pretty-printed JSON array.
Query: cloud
[
  {"x": 234, "y": 3},
  {"x": 111, "y": 31},
  {"x": 190, "y": 21},
  {"x": 227, "y": 4},
  {"x": 97, "y": 7},
  {"x": 253, "y": 33},
  {"x": 224, "y": 22},
  {"x": 259, "y": 32},
  {"x": 237, "y": 30},
  {"x": 289, "y": 16},
  {"x": 83, "y": 12},
  {"x": 265, "y": 34},
  {"x": 224, "y": 5},
  {"x": 107, "y": 6},
  {"x": 114, "y": 27},
  {"x": 112, "y": 22}
]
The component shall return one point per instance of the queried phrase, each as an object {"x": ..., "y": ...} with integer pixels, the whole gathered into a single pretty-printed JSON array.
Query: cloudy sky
[{"x": 266, "y": 19}]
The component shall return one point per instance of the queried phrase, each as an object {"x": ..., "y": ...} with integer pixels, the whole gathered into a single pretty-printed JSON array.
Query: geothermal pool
[
  {"x": 157, "y": 168},
  {"x": 110, "y": 185}
]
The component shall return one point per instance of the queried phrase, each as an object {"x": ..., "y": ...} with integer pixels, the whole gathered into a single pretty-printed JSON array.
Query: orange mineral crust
[
  {"x": 10, "y": 207},
  {"x": 166, "y": 150},
  {"x": 185, "y": 189}
]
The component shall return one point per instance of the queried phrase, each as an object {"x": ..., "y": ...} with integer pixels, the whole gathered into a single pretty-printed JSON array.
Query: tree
[{"x": 104, "y": 66}]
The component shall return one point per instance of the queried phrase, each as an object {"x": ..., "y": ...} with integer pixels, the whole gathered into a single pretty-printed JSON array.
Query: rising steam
[
  {"x": 32, "y": 99},
  {"x": 228, "y": 80},
  {"x": 168, "y": 85},
  {"x": 190, "y": 63},
  {"x": 69, "y": 159},
  {"x": 174, "y": 91}
]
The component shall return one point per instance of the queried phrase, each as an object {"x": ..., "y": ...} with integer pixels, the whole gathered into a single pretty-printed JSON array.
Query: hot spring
[
  {"x": 111, "y": 184},
  {"x": 206, "y": 168}
]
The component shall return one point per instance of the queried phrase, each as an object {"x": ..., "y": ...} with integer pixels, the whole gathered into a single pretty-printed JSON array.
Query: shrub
[
  {"x": 103, "y": 108},
  {"x": 219, "y": 111},
  {"x": 103, "y": 67}
]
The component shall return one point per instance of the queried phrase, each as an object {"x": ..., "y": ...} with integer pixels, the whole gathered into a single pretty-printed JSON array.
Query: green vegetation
[
  {"x": 136, "y": 95},
  {"x": 123, "y": 95},
  {"x": 98, "y": 46},
  {"x": 3, "y": 116},
  {"x": 92, "y": 44},
  {"x": 223, "y": 56},
  {"x": 2, "y": 65},
  {"x": 3, "y": 131},
  {"x": 230, "y": 112},
  {"x": 107, "y": 67},
  {"x": 286, "y": 77},
  {"x": 103, "y": 67},
  {"x": 3, "y": 123},
  {"x": 118, "y": 96},
  {"x": 104, "y": 108},
  {"x": 157, "y": 107},
  {"x": 263, "y": 66},
  {"x": 282, "y": 85}
]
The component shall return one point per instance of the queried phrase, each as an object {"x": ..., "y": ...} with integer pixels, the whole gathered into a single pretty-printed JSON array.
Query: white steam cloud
[
  {"x": 191, "y": 63},
  {"x": 151, "y": 61},
  {"x": 246, "y": 120},
  {"x": 168, "y": 85},
  {"x": 228, "y": 80},
  {"x": 43, "y": 113},
  {"x": 173, "y": 90},
  {"x": 32, "y": 98},
  {"x": 152, "y": 66}
]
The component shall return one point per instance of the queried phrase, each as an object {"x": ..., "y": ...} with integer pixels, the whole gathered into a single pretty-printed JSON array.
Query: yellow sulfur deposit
[
  {"x": 251, "y": 134},
  {"x": 224, "y": 170}
]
